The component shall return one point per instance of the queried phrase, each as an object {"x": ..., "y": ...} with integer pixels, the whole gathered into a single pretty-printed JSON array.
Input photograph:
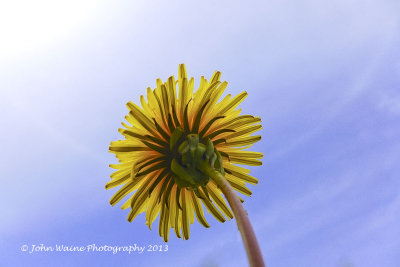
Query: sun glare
[{"x": 27, "y": 26}]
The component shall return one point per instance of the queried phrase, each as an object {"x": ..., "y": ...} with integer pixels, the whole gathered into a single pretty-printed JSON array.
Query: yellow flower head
[{"x": 166, "y": 139}]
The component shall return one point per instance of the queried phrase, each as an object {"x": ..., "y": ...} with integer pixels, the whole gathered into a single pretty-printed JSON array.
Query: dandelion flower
[{"x": 173, "y": 144}]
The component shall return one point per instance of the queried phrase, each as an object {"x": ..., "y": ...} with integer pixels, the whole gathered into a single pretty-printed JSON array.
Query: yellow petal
[
  {"x": 219, "y": 200},
  {"x": 198, "y": 208},
  {"x": 185, "y": 218}
]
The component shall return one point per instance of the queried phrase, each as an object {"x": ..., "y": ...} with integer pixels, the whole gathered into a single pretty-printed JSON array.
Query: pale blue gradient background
[{"x": 323, "y": 75}]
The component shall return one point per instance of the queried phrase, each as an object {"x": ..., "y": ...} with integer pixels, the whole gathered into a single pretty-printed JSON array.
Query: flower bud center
[{"x": 189, "y": 152}]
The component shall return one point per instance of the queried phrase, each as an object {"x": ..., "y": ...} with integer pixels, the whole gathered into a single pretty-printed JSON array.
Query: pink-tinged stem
[{"x": 246, "y": 230}]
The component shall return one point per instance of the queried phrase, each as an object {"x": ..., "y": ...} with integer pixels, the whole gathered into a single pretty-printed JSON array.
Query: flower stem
[{"x": 246, "y": 230}]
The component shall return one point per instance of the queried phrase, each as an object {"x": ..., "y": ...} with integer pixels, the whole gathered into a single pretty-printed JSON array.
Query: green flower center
[{"x": 189, "y": 152}]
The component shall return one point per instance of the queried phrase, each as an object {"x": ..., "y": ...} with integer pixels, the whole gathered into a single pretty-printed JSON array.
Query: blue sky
[{"x": 324, "y": 77}]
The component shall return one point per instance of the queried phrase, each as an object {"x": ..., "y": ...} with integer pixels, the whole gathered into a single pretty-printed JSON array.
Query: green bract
[{"x": 190, "y": 153}]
